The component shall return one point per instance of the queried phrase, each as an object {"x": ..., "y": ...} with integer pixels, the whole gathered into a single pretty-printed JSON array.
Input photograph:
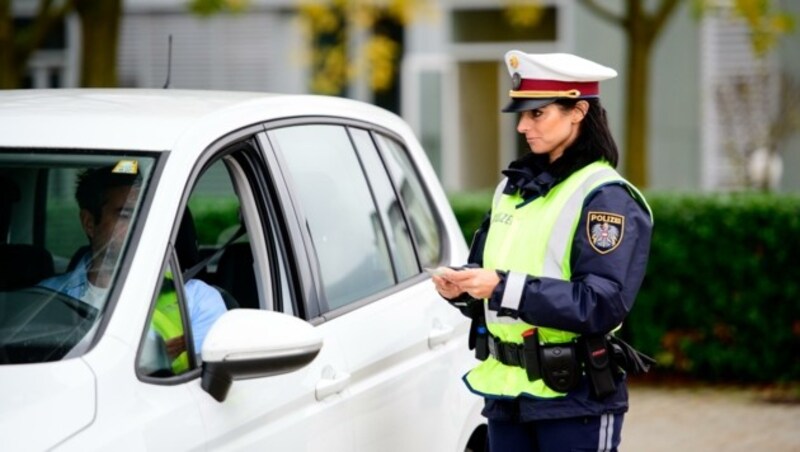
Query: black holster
[
  {"x": 530, "y": 351},
  {"x": 478, "y": 333},
  {"x": 479, "y": 340},
  {"x": 598, "y": 365}
]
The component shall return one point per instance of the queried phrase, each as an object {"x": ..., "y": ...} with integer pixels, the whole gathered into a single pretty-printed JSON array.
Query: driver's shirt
[
  {"x": 204, "y": 303},
  {"x": 95, "y": 296}
]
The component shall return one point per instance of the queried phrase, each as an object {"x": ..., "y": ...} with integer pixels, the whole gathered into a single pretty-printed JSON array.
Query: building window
[
  {"x": 494, "y": 25},
  {"x": 740, "y": 103},
  {"x": 47, "y": 65}
]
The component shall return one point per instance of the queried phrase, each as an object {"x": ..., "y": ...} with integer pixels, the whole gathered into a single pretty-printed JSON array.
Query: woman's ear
[{"x": 579, "y": 112}]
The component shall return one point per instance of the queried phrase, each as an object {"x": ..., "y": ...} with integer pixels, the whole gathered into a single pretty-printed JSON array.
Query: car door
[
  {"x": 420, "y": 380},
  {"x": 402, "y": 343},
  {"x": 244, "y": 254}
]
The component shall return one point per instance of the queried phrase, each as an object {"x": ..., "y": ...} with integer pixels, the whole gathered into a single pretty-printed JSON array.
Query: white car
[{"x": 261, "y": 285}]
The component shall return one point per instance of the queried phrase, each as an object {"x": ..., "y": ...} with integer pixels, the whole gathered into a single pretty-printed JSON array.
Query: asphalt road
[{"x": 701, "y": 419}]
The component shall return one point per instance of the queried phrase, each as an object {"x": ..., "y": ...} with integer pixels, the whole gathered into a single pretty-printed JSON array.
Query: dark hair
[
  {"x": 594, "y": 141},
  {"x": 93, "y": 183}
]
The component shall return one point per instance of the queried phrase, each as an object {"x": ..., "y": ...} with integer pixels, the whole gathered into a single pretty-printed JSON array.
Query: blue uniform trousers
[{"x": 589, "y": 433}]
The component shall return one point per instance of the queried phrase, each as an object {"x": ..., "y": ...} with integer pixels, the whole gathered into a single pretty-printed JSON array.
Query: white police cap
[{"x": 540, "y": 78}]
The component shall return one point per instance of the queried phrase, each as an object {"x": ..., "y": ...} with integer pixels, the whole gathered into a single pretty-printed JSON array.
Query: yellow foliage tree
[
  {"x": 329, "y": 26},
  {"x": 642, "y": 28}
]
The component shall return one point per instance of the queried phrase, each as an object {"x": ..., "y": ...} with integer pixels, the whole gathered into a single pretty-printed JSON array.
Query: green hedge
[
  {"x": 213, "y": 217},
  {"x": 721, "y": 300}
]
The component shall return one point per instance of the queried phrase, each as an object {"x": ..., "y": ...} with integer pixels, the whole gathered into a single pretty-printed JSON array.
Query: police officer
[{"x": 554, "y": 269}]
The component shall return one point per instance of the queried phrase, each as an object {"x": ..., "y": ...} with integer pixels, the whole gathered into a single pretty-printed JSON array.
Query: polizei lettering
[
  {"x": 504, "y": 218},
  {"x": 604, "y": 218}
]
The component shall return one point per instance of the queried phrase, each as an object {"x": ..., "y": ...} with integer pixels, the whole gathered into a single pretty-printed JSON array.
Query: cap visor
[{"x": 518, "y": 104}]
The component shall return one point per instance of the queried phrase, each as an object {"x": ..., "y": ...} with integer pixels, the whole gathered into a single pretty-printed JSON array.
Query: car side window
[
  {"x": 343, "y": 222},
  {"x": 419, "y": 210},
  {"x": 224, "y": 255},
  {"x": 219, "y": 239}
]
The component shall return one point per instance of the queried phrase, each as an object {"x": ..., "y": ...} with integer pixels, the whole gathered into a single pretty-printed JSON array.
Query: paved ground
[{"x": 708, "y": 419}]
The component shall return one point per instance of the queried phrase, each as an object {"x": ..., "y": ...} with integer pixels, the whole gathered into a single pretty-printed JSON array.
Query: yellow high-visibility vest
[{"x": 533, "y": 239}]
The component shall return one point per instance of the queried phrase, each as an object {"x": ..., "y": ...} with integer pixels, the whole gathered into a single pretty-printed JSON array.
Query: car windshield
[{"x": 65, "y": 221}]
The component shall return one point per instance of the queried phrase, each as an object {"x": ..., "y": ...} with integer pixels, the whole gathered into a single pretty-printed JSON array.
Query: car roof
[{"x": 155, "y": 120}]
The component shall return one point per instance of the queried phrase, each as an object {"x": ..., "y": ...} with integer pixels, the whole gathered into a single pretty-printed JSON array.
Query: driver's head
[{"x": 106, "y": 198}]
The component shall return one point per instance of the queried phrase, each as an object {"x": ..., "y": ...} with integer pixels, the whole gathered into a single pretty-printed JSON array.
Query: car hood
[{"x": 43, "y": 404}]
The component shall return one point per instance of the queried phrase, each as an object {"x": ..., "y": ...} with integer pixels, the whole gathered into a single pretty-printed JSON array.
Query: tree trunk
[
  {"x": 9, "y": 72},
  {"x": 636, "y": 111},
  {"x": 100, "y": 20}
]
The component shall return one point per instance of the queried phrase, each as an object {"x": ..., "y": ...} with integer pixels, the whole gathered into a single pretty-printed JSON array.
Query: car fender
[{"x": 43, "y": 404}]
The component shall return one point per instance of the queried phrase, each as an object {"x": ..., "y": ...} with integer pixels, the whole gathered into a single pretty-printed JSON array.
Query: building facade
[{"x": 452, "y": 81}]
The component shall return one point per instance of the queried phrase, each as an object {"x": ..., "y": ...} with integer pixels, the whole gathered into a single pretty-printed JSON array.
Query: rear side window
[
  {"x": 345, "y": 227},
  {"x": 401, "y": 245}
]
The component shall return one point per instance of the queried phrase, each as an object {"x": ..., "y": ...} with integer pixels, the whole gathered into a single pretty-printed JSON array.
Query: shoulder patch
[{"x": 605, "y": 230}]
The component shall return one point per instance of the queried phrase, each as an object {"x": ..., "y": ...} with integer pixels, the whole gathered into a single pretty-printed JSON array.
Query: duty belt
[
  {"x": 510, "y": 354},
  {"x": 562, "y": 365}
]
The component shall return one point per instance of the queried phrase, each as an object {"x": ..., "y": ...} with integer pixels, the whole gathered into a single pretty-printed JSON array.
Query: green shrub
[
  {"x": 213, "y": 216},
  {"x": 720, "y": 300},
  {"x": 470, "y": 209},
  {"x": 721, "y": 296}
]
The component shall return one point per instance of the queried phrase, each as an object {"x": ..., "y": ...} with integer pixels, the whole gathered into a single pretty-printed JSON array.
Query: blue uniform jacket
[{"x": 596, "y": 300}]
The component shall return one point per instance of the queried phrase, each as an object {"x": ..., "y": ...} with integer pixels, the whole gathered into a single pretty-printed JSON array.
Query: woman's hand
[
  {"x": 446, "y": 288},
  {"x": 477, "y": 282}
]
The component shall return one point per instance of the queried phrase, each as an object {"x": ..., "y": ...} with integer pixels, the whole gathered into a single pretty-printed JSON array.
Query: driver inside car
[{"x": 106, "y": 197}]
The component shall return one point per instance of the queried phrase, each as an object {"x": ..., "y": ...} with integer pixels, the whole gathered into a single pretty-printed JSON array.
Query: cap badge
[
  {"x": 513, "y": 61},
  {"x": 516, "y": 81},
  {"x": 605, "y": 231}
]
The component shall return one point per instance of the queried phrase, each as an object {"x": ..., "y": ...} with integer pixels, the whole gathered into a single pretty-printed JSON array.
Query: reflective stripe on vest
[{"x": 532, "y": 239}]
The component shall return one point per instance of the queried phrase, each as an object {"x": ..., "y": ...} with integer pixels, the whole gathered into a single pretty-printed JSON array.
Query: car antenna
[{"x": 169, "y": 62}]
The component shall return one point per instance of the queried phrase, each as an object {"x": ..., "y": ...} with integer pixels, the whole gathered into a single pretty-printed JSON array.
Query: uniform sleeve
[
  {"x": 205, "y": 306},
  {"x": 609, "y": 260}
]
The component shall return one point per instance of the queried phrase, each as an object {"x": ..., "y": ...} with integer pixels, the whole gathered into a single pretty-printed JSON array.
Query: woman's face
[{"x": 552, "y": 128}]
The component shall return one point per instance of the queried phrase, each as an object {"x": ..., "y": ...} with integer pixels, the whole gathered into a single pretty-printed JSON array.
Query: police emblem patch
[{"x": 605, "y": 231}]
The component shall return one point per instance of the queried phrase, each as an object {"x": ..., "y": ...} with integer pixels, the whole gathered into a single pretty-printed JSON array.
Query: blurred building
[{"x": 452, "y": 81}]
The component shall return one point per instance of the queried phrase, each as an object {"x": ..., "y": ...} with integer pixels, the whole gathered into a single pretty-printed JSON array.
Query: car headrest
[
  {"x": 9, "y": 194},
  {"x": 23, "y": 265}
]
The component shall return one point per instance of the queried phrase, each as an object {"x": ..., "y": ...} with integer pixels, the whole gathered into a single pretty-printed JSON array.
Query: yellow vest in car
[
  {"x": 534, "y": 239},
  {"x": 168, "y": 323}
]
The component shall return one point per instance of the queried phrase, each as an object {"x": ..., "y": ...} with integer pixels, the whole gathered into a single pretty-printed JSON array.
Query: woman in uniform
[{"x": 554, "y": 269}]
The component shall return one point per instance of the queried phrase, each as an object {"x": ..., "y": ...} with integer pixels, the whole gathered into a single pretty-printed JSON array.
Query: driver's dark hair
[
  {"x": 594, "y": 141},
  {"x": 93, "y": 184}
]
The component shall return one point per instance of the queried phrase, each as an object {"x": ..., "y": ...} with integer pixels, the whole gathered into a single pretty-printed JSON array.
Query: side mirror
[{"x": 252, "y": 343}]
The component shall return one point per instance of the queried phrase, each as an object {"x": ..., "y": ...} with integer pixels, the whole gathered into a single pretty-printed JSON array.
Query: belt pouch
[
  {"x": 481, "y": 343},
  {"x": 598, "y": 366},
  {"x": 530, "y": 349},
  {"x": 560, "y": 369}
]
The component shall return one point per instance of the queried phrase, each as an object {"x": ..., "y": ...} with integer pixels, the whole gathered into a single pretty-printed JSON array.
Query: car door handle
[
  {"x": 332, "y": 382},
  {"x": 440, "y": 333}
]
